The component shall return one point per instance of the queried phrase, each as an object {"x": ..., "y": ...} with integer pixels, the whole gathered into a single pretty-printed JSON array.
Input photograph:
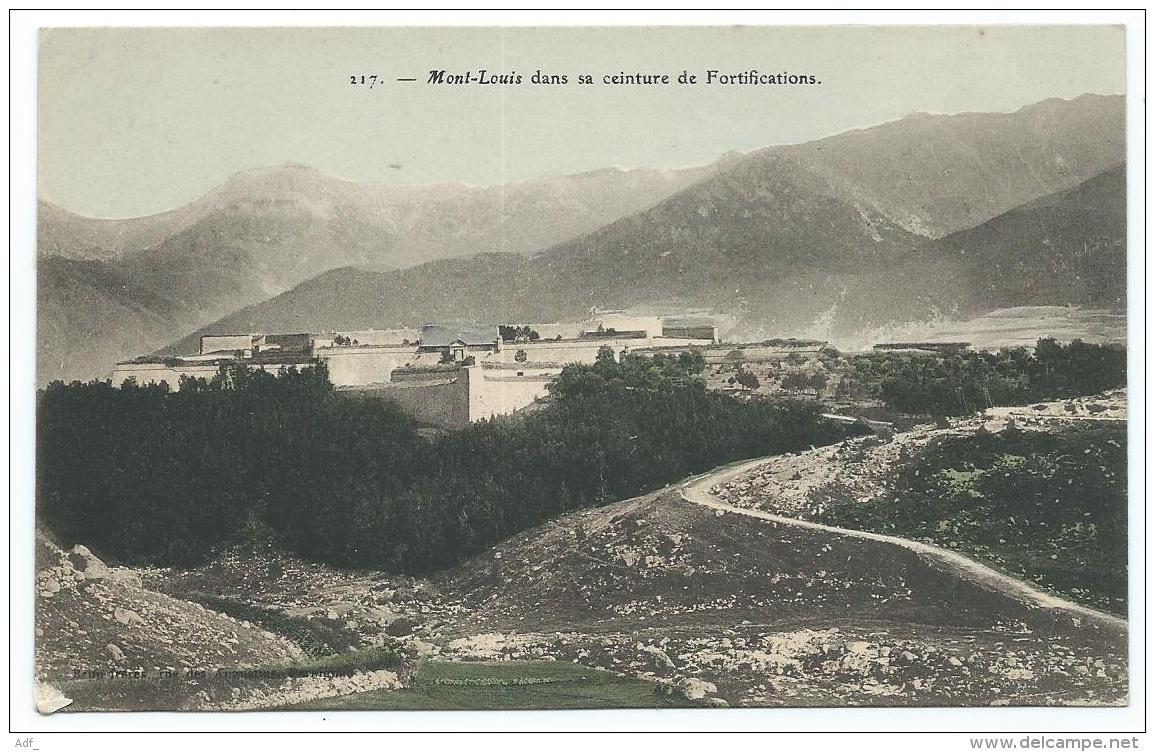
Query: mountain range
[
  {"x": 931, "y": 214},
  {"x": 264, "y": 231}
]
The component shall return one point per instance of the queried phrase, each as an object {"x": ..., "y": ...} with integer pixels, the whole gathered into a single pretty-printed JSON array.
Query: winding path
[{"x": 697, "y": 490}]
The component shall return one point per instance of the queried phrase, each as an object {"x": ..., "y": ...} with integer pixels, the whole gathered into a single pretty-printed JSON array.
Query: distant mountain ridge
[
  {"x": 776, "y": 237},
  {"x": 938, "y": 174},
  {"x": 1067, "y": 248},
  {"x": 264, "y": 231}
]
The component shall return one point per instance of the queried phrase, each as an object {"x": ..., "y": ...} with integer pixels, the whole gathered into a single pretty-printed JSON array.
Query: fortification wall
[
  {"x": 501, "y": 391},
  {"x": 350, "y": 366},
  {"x": 382, "y": 336},
  {"x": 155, "y": 373},
  {"x": 553, "y": 351}
]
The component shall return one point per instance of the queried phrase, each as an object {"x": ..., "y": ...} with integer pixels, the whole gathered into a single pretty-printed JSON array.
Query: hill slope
[
  {"x": 780, "y": 237},
  {"x": 265, "y": 231},
  {"x": 936, "y": 174},
  {"x": 824, "y": 266},
  {"x": 1069, "y": 247},
  {"x": 89, "y": 315}
]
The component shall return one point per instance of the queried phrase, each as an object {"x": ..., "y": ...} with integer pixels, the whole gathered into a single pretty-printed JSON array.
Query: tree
[
  {"x": 818, "y": 381},
  {"x": 747, "y": 379},
  {"x": 510, "y": 333},
  {"x": 521, "y": 356},
  {"x": 795, "y": 381}
]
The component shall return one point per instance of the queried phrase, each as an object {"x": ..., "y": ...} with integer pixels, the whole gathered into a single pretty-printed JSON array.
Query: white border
[{"x": 970, "y": 721}]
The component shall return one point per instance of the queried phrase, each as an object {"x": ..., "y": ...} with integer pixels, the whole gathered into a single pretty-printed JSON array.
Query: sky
[{"x": 136, "y": 121}]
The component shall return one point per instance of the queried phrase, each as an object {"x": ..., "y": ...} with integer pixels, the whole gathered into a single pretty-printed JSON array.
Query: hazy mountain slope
[
  {"x": 59, "y": 232},
  {"x": 89, "y": 316},
  {"x": 1066, "y": 249},
  {"x": 716, "y": 242},
  {"x": 720, "y": 242},
  {"x": 1070, "y": 247},
  {"x": 767, "y": 242},
  {"x": 265, "y": 231},
  {"x": 406, "y": 224},
  {"x": 938, "y": 174},
  {"x": 787, "y": 237}
]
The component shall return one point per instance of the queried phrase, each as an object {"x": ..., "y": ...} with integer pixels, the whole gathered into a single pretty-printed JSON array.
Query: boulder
[
  {"x": 128, "y": 577},
  {"x": 116, "y": 653},
  {"x": 696, "y": 689},
  {"x": 85, "y": 561},
  {"x": 659, "y": 657},
  {"x": 127, "y": 617}
]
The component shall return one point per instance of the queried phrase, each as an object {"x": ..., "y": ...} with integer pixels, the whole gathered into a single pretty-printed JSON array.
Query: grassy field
[
  {"x": 517, "y": 685},
  {"x": 1050, "y": 507}
]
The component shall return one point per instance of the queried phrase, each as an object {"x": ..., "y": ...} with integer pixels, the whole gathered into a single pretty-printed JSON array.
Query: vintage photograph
[{"x": 511, "y": 368}]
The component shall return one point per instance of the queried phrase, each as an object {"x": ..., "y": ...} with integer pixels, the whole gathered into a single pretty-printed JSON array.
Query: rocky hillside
[
  {"x": 93, "y": 620},
  {"x": 760, "y": 613}
]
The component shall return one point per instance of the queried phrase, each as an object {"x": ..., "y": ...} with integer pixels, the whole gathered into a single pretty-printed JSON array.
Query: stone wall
[
  {"x": 350, "y": 366},
  {"x": 501, "y": 391},
  {"x": 156, "y": 373}
]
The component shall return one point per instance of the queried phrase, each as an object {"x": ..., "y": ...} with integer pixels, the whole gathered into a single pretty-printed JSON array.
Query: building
[{"x": 444, "y": 375}]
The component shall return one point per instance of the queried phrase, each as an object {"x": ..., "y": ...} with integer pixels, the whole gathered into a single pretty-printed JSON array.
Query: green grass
[
  {"x": 338, "y": 664},
  {"x": 516, "y": 685}
]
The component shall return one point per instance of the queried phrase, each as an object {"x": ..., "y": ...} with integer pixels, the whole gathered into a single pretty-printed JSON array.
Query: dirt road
[{"x": 1044, "y": 608}]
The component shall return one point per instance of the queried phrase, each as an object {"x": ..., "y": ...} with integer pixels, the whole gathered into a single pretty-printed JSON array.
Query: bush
[{"x": 964, "y": 383}]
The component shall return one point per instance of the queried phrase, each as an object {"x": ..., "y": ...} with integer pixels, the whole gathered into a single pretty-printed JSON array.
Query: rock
[
  {"x": 124, "y": 577},
  {"x": 116, "y": 653},
  {"x": 127, "y": 616},
  {"x": 85, "y": 561},
  {"x": 696, "y": 689},
  {"x": 382, "y": 614},
  {"x": 338, "y": 610},
  {"x": 423, "y": 648},
  {"x": 908, "y": 657},
  {"x": 659, "y": 656}
]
